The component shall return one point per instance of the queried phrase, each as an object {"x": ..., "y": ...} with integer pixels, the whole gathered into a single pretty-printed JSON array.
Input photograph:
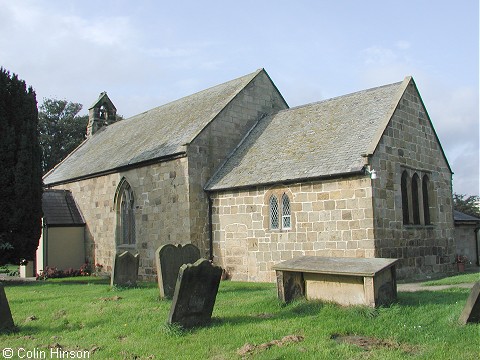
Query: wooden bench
[{"x": 346, "y": 281}]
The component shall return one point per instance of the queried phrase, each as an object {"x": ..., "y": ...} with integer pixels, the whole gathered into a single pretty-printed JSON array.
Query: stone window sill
[
  {"x": 418, "y": 227},
  {"x": 126, "y": 246}
]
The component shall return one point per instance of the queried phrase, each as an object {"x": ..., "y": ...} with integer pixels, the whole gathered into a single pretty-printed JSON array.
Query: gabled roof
[
  {"x": 459, "y": 216},
  {"x": 318, "y": 140},
  {"x": 102, "y": 99},
  {"x": 155, "y": 134},
  {"x": 59, "y": 209}
]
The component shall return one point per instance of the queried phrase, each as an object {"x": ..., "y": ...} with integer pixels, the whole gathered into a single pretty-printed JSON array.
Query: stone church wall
[
  {"x": 409, "y": 144},
  {"x": 330, "y": 218},
  {"x": 161, "y": 212},
  {"x": 217, "y": 141}
]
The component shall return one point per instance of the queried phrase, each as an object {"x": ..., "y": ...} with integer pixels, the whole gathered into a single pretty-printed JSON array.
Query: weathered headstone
[
  {"x": 125, "y": 269},
  {"x": 6, "y": 320},
  {"x": 471, "y": 311},
  {"x": 195, "y": 294},
  {"x": 169, "y": 259}
]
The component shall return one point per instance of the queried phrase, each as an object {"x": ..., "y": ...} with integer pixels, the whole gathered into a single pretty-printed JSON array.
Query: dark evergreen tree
[{"x": 20, "y": 174}]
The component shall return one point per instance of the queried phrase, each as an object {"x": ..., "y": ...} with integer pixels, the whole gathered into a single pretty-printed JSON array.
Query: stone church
[{"x": 252, "y": 182}]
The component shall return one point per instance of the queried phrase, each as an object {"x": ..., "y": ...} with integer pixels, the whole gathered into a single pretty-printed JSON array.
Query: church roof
[
  {"x": 155, "y": 134},
  {"x": 59, "y": 209},
  {"x": 318, "y": 140},
  {"x": 459, "y": 216}
]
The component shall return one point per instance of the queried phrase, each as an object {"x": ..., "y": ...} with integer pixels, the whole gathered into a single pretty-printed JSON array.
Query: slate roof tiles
[
  {"x": 317, "y": 140},
  {"x": 59, "y": 209},
  {"x": 157, "y": 133}
]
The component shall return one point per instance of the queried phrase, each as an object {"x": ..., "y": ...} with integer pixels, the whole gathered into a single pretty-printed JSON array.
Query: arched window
[
  {"x": 415, "y": 200},
  {"x": 124, "y": 204},
  {"x": 273, "y": 204},
  {"x": 286, "y": 214},
  {"x": 404, "y": 189},
  {"x": 426, "y": 204}
]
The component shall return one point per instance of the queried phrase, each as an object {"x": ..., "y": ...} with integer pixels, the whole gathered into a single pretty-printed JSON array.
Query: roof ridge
[
  {"x": 256, "y": 72},
  {"x": 342, "y": 96}
]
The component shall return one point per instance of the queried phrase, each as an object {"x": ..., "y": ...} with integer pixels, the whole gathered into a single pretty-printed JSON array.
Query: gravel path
[{"x": 412, "y": 287}]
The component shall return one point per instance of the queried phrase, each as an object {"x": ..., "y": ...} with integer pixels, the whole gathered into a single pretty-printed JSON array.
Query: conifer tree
[{"x": 20, "y": 172}]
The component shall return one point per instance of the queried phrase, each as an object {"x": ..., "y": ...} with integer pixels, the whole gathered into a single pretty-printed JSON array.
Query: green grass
[
  {"x": 9, "y": 269},
  {"x": 86, "y": 314},
  {"x": 455, "y": 280}
]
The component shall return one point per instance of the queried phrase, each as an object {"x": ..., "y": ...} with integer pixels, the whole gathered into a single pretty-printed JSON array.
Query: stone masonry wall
[
  {"x": 409, "y": 144},
  {"x": 466, "y": 239},
  {"x": 161, "y": 212},
  {"x": 217, "y": 141},
  {"x": 330, "y": 218}
]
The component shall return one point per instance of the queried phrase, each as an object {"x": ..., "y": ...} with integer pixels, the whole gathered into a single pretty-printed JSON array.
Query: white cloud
[
  {"x": 403, "y": 45},
  {"x": 377, "y": 55}
]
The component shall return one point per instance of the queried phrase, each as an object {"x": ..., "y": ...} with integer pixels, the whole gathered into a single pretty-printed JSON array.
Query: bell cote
[{"x": 101, "y": 113}]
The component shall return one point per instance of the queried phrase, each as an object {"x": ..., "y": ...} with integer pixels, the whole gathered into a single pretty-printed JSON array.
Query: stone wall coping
[{"x": 336, "y": 265}]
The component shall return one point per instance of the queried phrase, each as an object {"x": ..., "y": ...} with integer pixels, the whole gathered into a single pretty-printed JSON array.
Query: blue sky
[{"x": 147, "y": 53}]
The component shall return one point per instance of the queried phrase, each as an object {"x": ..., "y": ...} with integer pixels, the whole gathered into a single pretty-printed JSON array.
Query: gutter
[
  {"x": 169, "y": 157},
  {"x": 291, "y": 181}
]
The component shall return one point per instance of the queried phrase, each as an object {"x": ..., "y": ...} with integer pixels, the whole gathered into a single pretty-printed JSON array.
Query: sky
[{"x": 148, "y": 53}]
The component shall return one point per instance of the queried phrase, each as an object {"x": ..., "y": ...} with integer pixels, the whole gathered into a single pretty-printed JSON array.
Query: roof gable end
[
  {"x": 408, "y": 81},
  {"x": 153, "y": 135}
]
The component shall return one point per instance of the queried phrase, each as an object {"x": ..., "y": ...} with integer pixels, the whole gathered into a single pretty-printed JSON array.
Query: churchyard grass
[
  {"x": 85, "y": 314},
  {"x": 454, "y": 280}
]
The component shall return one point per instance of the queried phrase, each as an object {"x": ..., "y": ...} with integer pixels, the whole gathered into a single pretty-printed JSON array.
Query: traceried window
[
  {"x": 274, "y": 223},
  {"x": 286, "y": 215},
  {"x": 280, "y": 212},
  {"x": 124, "y": 203}
]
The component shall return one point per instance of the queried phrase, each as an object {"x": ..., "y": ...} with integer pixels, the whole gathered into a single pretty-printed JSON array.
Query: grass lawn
[
  {"x": 454, "y": 280},
  {"x": 86, "y": 314}
]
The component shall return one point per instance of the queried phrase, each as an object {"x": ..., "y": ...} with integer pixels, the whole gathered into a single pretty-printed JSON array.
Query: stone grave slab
[
  {"x": 195, "y": 294},
  {"x": 125, "y": 269},
  {"x": 346, "y": 281},
  {"x": 6, "y": 320},
  {"x": 169, "y": 258},
  {"x": 471, "y": 311}
]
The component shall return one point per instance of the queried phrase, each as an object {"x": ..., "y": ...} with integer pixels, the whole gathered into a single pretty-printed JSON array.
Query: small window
[
  {"x": 426, "y": 205},
  {"x": 286, "y": 215},
  {"x": 274, "y": 223},
  {"x": 404, "y": 187},
  {"x": 415, "y": 200}
]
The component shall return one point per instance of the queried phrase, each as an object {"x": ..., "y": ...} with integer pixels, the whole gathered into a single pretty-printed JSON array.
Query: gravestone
[
  {"x": 6, "y": 320},
  {"x": 125, "y": 269},
  {"x": 169, "y": 259},
  {"x": 195, "y": 294},
  {"x": 471, "y": 311}
]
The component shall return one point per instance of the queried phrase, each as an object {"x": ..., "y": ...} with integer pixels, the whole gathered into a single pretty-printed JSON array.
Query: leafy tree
[
  {"x": 61, "y": 130},
  {"x": 467, "y": 204},
  {"x": 20, "y": 174}
]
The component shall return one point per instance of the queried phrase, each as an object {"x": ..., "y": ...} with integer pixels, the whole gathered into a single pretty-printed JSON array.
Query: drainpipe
[
  {"x": 210, "y": 226},
  {"x": 476, "y": 244},
  {"x": 45, "y": 247}
]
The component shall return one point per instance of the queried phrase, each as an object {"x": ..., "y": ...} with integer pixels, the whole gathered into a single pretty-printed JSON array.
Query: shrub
[{"x": 53, "y": 272}]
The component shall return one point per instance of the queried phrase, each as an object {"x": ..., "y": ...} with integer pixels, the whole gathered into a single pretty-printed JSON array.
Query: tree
[
  {"x": 467, "y": 204},
  {"x": 20, "y": 174},
  {"x": 61, "y": 130}
]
